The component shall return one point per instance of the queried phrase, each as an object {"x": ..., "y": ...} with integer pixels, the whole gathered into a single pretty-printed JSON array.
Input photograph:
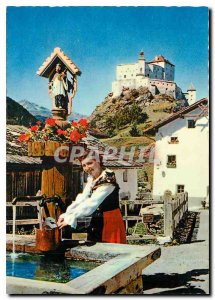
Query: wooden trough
[{"x": 119, "y": 273}]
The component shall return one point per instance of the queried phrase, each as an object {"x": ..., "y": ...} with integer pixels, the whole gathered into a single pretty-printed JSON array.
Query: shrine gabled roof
[{"x": 57, "y": 56}]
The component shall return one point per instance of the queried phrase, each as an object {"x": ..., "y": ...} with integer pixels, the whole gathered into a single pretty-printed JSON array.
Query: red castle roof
[{"x": 161, "y": 58}]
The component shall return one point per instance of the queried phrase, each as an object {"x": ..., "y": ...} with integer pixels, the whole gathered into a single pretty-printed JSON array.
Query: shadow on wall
[{"x": 174, "y": 280}]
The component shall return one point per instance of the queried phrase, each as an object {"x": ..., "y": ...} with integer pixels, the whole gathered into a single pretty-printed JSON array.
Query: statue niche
[{"x": 62, "y": 86}]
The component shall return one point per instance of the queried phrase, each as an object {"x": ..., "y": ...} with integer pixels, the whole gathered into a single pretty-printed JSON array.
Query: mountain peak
[
  {"x": 17, "y": 114},
  {"x": 41, "y": 112}
]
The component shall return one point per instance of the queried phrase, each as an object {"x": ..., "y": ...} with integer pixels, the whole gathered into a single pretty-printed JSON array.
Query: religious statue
[{"x": 59, "y": 87}]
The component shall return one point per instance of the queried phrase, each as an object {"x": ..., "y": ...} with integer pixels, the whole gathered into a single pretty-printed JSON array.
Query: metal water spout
[
  {"x": 42, "y": 200},
  {"x": 26, "y": 198},
  {"x": 41, "y": 203}
]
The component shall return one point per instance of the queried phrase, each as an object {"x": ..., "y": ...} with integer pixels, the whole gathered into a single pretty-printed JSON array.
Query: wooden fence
[{"x": 174, "y": 209}]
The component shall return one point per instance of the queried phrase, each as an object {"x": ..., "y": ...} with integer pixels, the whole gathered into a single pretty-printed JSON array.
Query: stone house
[{"x": 181, "y": 157}]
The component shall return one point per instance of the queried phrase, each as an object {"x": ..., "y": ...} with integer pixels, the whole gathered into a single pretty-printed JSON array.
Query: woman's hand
[{"x": 61, "y": 223}]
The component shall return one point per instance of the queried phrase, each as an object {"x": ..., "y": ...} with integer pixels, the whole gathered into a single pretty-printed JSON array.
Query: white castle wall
[
  {"x": 154, "y": 71},
  {"x": 165, "y": 87},
  {"x": 191, "y": 97}
]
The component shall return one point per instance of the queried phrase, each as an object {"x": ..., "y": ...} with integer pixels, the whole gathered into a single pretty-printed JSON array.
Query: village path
[{"x": 182, "y": 269}]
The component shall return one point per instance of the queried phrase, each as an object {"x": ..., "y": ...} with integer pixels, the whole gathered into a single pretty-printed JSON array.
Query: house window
[
  {"x": 171, "y": 161},
  {"x": 124, "y": 76},
  {"x": 191, "y": 124},
  {"x": 180, "y": 188},
  {"x": 174, "y": 140},
  {"x": 125, "y": 176},
  {"x": 85, "y": 177}
]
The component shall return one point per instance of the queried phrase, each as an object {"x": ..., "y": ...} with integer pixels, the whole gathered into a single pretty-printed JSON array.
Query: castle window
[
  {"x": 124, "y": 76},
  {"x": 191, "y": 123}
]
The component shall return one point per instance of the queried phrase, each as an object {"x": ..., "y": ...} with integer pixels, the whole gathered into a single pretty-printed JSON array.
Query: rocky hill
[
  {"x": 133, "y": 111},
  {"x": 17, "y": 114}
]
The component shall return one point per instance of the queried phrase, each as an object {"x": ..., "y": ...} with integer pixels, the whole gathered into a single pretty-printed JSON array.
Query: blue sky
[{"x": 99, "y": 38}]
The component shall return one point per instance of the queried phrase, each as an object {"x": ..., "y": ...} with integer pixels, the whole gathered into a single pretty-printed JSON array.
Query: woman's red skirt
[{"x": 113, "y": 227}]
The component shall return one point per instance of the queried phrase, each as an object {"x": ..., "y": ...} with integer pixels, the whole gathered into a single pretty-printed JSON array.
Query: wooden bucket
[{"x": 47, "y": 239}]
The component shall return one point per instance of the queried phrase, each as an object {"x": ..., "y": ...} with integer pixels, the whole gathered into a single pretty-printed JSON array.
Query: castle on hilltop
[{"x": 157, "y": 75}]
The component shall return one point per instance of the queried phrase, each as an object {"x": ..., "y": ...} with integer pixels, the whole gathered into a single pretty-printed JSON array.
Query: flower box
[
  {"x": 175, "y": 142},
  {"x": 45, "y": 139},
  {"x": 48, "y": 148},
  {"x": 171, "y": 165}
]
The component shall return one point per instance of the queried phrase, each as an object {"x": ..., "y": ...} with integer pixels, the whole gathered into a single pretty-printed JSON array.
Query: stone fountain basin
[{"x": 120, "y": 272}]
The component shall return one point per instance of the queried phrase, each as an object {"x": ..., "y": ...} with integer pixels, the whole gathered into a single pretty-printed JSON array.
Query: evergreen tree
[{"x": 134, "y": 131}]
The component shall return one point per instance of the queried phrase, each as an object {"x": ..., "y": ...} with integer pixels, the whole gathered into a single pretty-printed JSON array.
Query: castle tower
[
  {"x": 141, "y": 64},
  {"x": 191, "y": 94}
]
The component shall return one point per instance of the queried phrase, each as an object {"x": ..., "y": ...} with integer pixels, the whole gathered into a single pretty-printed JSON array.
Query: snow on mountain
[
  {"x": 41, "y": 112},
  {"x": 35, "y": 109}
]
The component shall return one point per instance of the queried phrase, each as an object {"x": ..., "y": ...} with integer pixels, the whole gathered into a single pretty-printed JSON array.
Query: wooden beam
[
  {"x": 178, "y": 208},
  {"x": 23, "y": 222},
  {"x": 168, "y": 221},
  {"x": 23, "y": 203},
  {"x": 140, "y": 202},
  {"x": 143, "y": 237},
  {"x": 125, "y": 217},
  {"x": 132, "y": 218},
  {"x": 194, "y": 115}
]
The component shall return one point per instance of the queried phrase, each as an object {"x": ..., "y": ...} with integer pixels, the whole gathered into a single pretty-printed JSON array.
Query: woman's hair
[{"x": 93, "y": 154}]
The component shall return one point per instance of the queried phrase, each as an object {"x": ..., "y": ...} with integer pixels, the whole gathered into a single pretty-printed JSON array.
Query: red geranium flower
[
  {"x": 74, "y": 123},
  {"x": 50, "y": 121},
  {"x": 24, "y": 137},
  {"x": 83, "y": 135},
  {"x": 61, "y": 132},
  {"x": 83, "y": 122},
  {"x": 34, "y": 128},
  {"x": 75, "y": 136}
]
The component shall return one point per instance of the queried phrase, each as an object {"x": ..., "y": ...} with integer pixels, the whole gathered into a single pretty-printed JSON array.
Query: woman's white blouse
[{"x": 85, "y": 204}]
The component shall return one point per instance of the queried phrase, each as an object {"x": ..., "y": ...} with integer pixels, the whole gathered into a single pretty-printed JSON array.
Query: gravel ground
[{"x": 182, "y": 269}]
